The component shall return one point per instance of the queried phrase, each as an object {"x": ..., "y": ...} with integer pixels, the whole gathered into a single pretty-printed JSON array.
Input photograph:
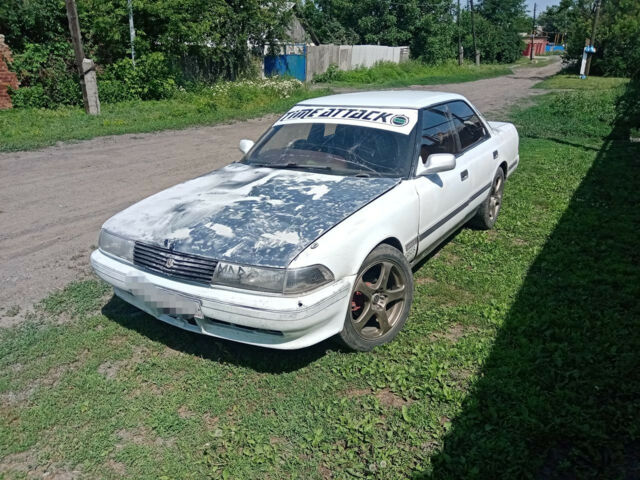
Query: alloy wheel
[
  {"x": 378, "y": 299},
  {"x": 495, "y": 199}
]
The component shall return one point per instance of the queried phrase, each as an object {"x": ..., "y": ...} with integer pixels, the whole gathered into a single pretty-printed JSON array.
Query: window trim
[{"x": 475, "y": 144}]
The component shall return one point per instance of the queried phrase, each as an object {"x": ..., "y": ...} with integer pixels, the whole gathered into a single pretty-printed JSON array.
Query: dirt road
[{"x": 53, "y": 201}]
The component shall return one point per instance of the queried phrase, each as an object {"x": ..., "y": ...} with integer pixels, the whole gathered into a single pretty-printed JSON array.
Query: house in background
[{"x": 539, "y": 45}]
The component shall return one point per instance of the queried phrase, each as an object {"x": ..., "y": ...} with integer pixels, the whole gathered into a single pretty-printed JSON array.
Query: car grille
[{"x": 174, "y": 264}]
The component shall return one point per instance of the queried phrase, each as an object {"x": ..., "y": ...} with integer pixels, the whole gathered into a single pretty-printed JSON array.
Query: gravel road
[{"x": 53, "y": 201}]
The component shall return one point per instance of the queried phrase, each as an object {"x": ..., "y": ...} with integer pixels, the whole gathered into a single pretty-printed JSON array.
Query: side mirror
[
  {"x": 436, "y": 162},
  {"x": 245, "y": 145}
]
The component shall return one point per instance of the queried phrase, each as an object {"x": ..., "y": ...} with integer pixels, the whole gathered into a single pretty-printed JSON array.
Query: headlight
[
  {"x": 252, "y": 278},
  {"x": 307, "y": 278},
  {"x": 275, "y": 280},
  {"x": 116, "y": 246}
]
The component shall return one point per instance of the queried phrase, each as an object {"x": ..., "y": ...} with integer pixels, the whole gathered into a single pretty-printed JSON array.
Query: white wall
[{"x": 348, "y": 57}]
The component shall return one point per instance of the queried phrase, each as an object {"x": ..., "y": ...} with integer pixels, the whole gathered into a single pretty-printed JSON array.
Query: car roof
[{"x": 384, "y": 98}]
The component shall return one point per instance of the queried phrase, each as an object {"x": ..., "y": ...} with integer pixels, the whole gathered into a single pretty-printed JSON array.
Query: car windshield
[{"x": 335, "y": 148}]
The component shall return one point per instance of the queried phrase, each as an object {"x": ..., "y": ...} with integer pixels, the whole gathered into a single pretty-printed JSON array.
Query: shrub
[
  {"x": 29, "y": 97},
  {"x": 150, "y": 79},
  {"x": 113, "y": 91},
  {"x": 46, "y": 75},
  {"x": 332, "y": 74}
]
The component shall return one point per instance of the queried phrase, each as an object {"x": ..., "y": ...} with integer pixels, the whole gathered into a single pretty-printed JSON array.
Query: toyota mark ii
[{"x": 315, "y": 231}]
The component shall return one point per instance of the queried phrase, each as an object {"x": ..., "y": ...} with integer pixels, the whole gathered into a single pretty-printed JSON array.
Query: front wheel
[
  {"x": 380, "y": 300},
  {"x": 488, "y": 212}
]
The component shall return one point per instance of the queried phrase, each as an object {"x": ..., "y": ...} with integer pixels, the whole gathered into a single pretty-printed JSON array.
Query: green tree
[
  {"x": 617, "y": 38},
  {"x": 555, "y": 19},
  {"x": 433, "y": 36},
  {"x": 499, "y": 30},
  {"x": 425, "y": 25}
]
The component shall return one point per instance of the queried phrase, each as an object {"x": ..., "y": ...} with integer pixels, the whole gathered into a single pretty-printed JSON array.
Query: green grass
[
  {"x": 574, "y": 82},
  {"x": 524, "y": 62},
  {"x": 387, "y": 74},
  {"x": 23, "y": 129},
  {"x": 519, "y": 359}
]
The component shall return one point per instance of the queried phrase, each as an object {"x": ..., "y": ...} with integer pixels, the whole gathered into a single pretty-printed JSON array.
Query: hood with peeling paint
[{"x": 247, "y": 215}]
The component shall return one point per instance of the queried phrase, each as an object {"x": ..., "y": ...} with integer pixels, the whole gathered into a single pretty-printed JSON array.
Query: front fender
[{"x": 344, "y": 247}]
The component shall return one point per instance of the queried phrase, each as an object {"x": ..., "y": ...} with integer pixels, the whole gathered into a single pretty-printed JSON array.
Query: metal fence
[{"x": 303, "y": 62}]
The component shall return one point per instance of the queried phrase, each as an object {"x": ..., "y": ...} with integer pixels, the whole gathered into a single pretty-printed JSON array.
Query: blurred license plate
[{"x": 176, "y": 304}]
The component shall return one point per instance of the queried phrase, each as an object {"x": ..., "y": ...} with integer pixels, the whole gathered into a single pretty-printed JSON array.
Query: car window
[
  {"x": 343, "y": 149},
  {"x": 287, "y": 137},
  {"x": 437, "y": 132},
  {"x": 469, "y": 127}
]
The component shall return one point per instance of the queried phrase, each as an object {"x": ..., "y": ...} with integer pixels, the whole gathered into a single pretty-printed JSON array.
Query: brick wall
[{"x": 7, "y": 78}]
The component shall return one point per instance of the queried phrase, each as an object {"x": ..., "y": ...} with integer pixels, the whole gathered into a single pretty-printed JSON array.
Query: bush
[
  {"x": 29, "y": 97},
  {"x": 113, "y": 91},
  {"x": 332, "y": 74},
  {"x": 47, "y": 76},
  {"x": 150, "y": 79}
]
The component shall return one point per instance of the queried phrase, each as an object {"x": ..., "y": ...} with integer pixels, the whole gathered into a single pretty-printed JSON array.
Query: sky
[{"x": 542, "y": 5}]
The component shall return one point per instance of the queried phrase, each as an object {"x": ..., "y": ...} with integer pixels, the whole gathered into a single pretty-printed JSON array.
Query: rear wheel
[
  {"x": 380, "y": 300},
  {"x": 488, "y": 212}
]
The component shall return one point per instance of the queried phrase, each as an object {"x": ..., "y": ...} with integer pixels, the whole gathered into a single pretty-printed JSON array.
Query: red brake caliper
[{"x": 357, "y": 302}]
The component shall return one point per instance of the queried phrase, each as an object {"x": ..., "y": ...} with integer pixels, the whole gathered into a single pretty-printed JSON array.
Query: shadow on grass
[
  {"x": 218, "y": 350},
  {"x": 559, "y": 395}
]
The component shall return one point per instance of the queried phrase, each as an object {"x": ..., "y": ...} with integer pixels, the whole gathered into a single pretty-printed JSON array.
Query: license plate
[
  {"x": 175, "y": 304},
  {"x": 165, "y": 301}
]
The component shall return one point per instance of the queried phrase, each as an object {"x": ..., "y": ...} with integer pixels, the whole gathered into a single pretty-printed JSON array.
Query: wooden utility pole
[
  {"x": 473, "y": 32},
  {"x": 460, "y": 52},
  {"x": 593, "y": 34},
  {"x": 533, "y": 32},
  {"x": 85, "y": 66}
]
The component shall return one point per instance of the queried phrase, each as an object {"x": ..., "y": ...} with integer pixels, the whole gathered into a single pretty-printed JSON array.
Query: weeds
[{"x": 388, "y": 74}]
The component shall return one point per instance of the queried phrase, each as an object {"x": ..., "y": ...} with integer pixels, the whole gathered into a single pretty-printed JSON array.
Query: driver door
[{"x": 441, "y": 195}]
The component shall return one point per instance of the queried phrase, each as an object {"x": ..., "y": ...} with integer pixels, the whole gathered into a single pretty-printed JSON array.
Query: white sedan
[{"x": 314, "y": 232}]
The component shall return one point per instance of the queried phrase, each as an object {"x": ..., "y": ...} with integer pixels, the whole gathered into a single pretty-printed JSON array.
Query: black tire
[
  {"x": 379, "y": 308},
  {"x": 488, "y": 211}
]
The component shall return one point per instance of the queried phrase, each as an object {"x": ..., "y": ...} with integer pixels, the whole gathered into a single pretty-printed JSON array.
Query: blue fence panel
[
  {"x": 554, "y": 48},
  {"x": 291, "y": 65}
]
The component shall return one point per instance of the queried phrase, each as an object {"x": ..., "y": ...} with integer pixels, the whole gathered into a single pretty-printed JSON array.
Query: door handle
[
  {"x": 495, "y": 154},
  {"x": 464, "y": 175}
]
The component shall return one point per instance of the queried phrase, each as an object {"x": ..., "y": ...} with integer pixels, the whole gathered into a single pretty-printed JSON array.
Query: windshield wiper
[{"x": 291, "y": 165}]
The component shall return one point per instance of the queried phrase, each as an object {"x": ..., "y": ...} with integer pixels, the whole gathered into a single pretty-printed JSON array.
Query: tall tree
[
  {"x": 505, "y": 18},
  {"x": 427, "y": 26},
  {"x": 618, "y": 39},
  {"x": 555, "y": 19}
]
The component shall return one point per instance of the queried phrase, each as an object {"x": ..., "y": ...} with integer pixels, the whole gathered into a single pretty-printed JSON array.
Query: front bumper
[{"x": 275, "y": 321}]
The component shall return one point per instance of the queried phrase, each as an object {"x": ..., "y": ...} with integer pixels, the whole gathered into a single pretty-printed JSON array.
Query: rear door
[{"x": 477, "y": 154}]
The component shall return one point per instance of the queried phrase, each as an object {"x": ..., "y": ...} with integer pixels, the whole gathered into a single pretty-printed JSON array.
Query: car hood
[{"x": 247, "y": 215}]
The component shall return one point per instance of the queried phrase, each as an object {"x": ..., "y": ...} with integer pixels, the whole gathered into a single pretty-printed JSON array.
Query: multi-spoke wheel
[
  {"x": 380, "y": 300},
  {"x": 495, "y": 198},
  {"x": 490, "y": 208}
]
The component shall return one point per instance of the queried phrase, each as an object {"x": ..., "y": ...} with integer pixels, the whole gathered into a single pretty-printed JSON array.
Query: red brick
[{"x": 7, "y": 78}]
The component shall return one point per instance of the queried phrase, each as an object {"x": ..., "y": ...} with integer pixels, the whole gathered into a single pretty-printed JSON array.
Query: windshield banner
[{"x": 399, "y": 120}]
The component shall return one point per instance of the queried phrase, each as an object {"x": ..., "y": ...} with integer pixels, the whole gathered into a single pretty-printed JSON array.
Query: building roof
[{"x": 384, "y": 98}]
